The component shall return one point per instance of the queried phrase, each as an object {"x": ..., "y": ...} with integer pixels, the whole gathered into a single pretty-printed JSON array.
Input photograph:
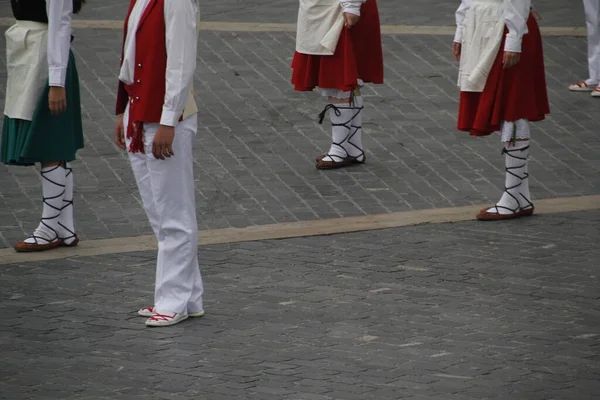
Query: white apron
[
  {"x": 482, "y": 35},
  {"x": 320, "y": 23},
  {"x": 27, "y": 68}
]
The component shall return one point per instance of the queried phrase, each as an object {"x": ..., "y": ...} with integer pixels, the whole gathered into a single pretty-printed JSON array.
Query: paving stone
[
  {"x": 348, "y": 329},
  {"x": 257, "y": 138}
]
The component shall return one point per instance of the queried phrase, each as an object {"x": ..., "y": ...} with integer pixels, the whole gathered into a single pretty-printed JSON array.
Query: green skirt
[{"x": 46, "y": 137}]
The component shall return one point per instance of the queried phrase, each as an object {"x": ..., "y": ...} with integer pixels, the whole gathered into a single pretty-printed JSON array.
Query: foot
[
  {"x": 328, "y": 163},
  {"x": 149, "y": 312},
  {"x": 361, "y": 159},
  {"x": 158, "y": 320},
  {"x": 36, "y": 243},
  {"x": 596, "y": 91},
  {"x": 582, "y": 86},
  {"x": 499, "y": 213}
]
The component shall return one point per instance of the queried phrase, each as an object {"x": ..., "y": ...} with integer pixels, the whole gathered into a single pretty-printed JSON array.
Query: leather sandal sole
[
  {"x": 484, "y": 215},
  {"x": 353, "y": 160},
  {"x": 23, "y": 247}
]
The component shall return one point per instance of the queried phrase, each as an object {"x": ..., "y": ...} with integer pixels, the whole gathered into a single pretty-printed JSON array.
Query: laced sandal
[
  {"x": 40, "y": 244},
  {"x": 149, "y": 312},
  {"x": 517, "y": 212},
  {"x": 335, "y": 161},
  {"x": 582, "y": 87},
  {"x": 596, "y": 91},
  {"x": 158, "y": 320},
  {"x": 36, "y": 242}
]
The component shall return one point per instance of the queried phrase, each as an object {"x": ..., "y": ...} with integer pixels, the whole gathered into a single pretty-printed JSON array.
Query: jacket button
[
  {"x": 139, "y": 81},
  {"x": 137, "y": 98},
  {"x": 139, "y": 65}
]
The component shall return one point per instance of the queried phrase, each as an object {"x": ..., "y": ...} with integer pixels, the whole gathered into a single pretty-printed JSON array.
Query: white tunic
[
  {"x": 37, "y": 53},
  {"x": 181, "y": 31},
  {"x": 320, "y": 23},
  {"x": 479, "y": 27}
]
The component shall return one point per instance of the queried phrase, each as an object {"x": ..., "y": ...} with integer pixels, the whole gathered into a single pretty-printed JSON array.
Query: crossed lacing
[
  {"x": 352, "y": 130},
  {"x": 66, "y": 204},
  {"x": 45, "y": 201},
  {"x": 520, "y": 178}
]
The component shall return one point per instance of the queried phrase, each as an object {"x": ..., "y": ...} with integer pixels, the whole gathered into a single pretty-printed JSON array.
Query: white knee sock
[
  {"x": 65, "y": 221},
  {"x": 518, "y": 130},
  {"x": 354, "y": 146},
  {"x": 341, "y": 119},
  {"x": 53, "y": 189},
  {"x": 516, "y": 187}
]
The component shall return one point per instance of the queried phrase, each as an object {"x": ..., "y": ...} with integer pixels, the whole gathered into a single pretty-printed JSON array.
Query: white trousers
[
  {"x": 168, "y": 193},
  {"x": 592, "y": 19}
]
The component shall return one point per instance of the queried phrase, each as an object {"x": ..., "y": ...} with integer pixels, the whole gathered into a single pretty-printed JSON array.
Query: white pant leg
[
  {"x": 592, "y": 19},
  {"x": 178, "y": 279},
  {"x": 139, "y": 165}
]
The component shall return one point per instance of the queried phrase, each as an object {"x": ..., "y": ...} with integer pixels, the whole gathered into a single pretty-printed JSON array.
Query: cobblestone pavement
[
  {"x": 258, "y": 139},
  {"x": 393, "y": 12},
  {"x": 455, "y": 311}
]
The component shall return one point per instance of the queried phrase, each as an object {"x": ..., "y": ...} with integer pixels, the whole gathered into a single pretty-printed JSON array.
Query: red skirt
[
  {"x": 509, "y": 94},
  {"x": 358, "y": 55}
]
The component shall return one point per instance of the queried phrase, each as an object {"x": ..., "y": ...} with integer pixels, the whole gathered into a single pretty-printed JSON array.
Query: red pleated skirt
[
  {"x": 509, "y": 94},
  {"x": 358, "y": 55}
]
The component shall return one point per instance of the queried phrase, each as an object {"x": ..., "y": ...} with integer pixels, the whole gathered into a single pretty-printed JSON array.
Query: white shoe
[
  {"x": 582, "y": 87},
  {"x": 596, "y": 92},
  {"x": 149, "y": 311},
  {"x": 165, "y": 319}
]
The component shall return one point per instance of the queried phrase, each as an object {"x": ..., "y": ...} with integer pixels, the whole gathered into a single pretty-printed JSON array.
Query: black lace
[
  {"x": 352, "y": 130},
  {"x": 509, "y": 170},
  {"x": 66, "y": 204}
]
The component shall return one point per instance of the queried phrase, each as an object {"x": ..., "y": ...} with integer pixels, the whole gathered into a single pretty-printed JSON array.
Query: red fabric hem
[
  {"x": 358, "y": 55},
  {"x": 509, "y": 94}
]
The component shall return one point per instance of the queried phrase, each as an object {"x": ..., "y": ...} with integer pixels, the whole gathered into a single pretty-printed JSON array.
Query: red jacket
[{"x": 146, "y": 95}]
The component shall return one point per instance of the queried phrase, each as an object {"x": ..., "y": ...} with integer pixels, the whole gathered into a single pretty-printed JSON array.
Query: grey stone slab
[{"x": 336, "y": 317}]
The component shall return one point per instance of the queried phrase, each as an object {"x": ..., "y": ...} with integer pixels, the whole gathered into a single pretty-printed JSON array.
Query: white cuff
[
  {"x": 57, "y": 76},
  {"x": 513, "y": 44},
  {"x": 352, "y": 10},
  {"x": 170, "y": 117},
  {"x": 458, "y": 35}
]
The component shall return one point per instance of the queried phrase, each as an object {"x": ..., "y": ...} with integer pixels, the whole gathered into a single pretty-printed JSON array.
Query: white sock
[
  {"x": 591, "y": 82},
  {"x": 354, "y": 146},
  {"x": 516, "y": 187},
  {"x": 53, "y": 189},
  {"x": 341, "y": 118},
  {"x": 66, "y": 221}
]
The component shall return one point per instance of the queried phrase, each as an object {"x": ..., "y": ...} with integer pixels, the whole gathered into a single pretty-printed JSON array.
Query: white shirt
[
  {"x": 516, "y": 13},
  {"x": 181, "y": 31},
  {"x": 59, "y": 39},
  {"x": 352, "y": 6}
]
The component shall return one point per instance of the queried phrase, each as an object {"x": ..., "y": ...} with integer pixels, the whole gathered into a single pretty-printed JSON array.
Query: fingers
[
  {"x": 456, "y": 51},
  {"x": 57, "y": 106},
  {"x": 162, "y": 151},
  {"x": 157, "y": 151},
  {"x": 350, "y": 20},
  {"x": 510, "y": 60},
  {"x": 120, "y": 136}
]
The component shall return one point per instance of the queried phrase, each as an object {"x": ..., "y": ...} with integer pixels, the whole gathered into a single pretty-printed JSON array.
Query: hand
[
  {"x": 536, "y": 15},
  {"x": 511, "y": 59},
  {"x": 457, "y": 50},
  {"x": 350, "y": 19},
  {"x": 120, "y": 133},
  {"x": 57, "y": 100},
  {"x": 162, "y": 145}
]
